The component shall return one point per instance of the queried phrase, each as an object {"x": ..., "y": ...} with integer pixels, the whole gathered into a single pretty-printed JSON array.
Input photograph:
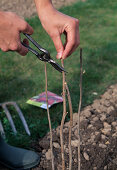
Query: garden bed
[{"x": 98, "y": 137}]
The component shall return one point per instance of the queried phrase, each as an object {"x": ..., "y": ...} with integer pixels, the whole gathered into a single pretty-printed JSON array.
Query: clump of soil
[
  {"x": 98, "y": 137},
  {"x": 26, "y": 8}
]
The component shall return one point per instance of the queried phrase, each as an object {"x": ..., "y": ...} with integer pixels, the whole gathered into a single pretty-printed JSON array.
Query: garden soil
[
  {"x": 98, "y": 127},
  {"x": 98, "y": 131}
]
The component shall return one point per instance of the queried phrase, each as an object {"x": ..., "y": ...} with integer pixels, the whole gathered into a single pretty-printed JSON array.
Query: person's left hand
[{"x": 56, "y": 23}]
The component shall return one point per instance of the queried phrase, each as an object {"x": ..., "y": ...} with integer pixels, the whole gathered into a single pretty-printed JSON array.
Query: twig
[
  {"x": 63, "y": 119},
  {"x": 70, "y": 126},
  {"x": 49, "y": 120},
  {"x": 79, "y": 109}
]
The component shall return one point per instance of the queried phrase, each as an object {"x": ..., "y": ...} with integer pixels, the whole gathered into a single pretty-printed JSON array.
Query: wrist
[
  {"x": 43, "y": 3},
  {"x": 42, "y": 6}
]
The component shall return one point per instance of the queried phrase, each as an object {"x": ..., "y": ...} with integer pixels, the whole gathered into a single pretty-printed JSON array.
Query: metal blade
[
  {"x": 2, "y": 130},
  {"x": 22, "y": 118},
  {"x": 4, "y": 106},
  {"x": 9, "y": 118},
  {"x": 56, "y": 66}
]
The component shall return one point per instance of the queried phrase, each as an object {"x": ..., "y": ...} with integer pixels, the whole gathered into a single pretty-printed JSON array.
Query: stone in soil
[
  {"x": 94, "y": 168},
  {"x": 101, "y": 145},
  {"x": 48, "y": 154},
  {"x": 44, "y": 143},
  {"x": 56, "y": 145},
  {"x": 114, "y": 124},
  {"x": 87, "y": 113},
  {"x": 95, "y": 119},
  {"x": 110, "y": 109},
  {"x": 107, "y": 128},
  {"x": 74, "y": 143},
  {"x": 86, "y": 156},
  {"x": 103, "y": 117},
  {"x": 103, "y": 137}
]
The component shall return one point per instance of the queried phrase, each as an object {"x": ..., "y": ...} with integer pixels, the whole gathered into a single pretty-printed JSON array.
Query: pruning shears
[{"x": 44, "y": 55}]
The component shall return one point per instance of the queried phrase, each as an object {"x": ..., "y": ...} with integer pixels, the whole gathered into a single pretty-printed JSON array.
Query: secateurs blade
[{"x": 44, "y": 55}]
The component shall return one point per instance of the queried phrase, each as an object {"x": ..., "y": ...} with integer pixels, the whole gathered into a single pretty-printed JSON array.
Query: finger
[
  {"x": 70, "y": 44},
  {"x": 22, "y": 50},
  {"x": 76, "y": 41},
  {"x": 25, "y": 41},
  {"x": 73, "y": 49},
  {"x": 58, "y": 45},
  {"x": 72, "y": 41},
  {"x": 4, "y": 47},
  {"x": 70, "y": 53},
  {"x": 26, "y": 28}
]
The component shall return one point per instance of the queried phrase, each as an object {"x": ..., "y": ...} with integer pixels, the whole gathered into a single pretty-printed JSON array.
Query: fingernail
[{"x": 59, "y": 55}]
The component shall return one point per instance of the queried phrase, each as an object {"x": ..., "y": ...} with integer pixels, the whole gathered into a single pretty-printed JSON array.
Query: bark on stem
[
  {"x": 79, "y": 109},
  {"x": 49, "y": 120},
  {"x": 70, "y": 105},
  {"x": 70, "y": 126},
  {"x": 63, "y": 119}
]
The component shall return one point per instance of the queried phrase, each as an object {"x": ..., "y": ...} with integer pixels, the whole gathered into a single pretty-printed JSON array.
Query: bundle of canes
[{"x": 66, "y": 89}]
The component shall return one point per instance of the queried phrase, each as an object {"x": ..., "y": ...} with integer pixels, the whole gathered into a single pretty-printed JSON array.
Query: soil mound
[{"x": 98, "y": 132}]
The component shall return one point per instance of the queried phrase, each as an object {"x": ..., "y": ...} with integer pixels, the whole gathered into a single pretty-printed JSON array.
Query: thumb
[{"x": 58, "y": 45}]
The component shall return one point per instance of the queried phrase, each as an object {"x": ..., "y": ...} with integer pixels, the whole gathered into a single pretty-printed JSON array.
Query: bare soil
[{"x": 98, "y": 132}]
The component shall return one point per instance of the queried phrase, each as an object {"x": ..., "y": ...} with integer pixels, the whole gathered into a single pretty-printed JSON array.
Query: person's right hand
[{"x": 11, "y": 26}]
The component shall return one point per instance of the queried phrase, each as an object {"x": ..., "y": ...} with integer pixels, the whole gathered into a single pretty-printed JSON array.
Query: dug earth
[{"x": 98, "y": 132}]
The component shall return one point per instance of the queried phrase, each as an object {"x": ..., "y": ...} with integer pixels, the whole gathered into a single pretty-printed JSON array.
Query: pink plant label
[{"x": 40, "y": 100}]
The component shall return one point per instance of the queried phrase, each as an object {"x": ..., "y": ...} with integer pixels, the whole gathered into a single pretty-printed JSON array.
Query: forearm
[{"x": 42, "y": 5}]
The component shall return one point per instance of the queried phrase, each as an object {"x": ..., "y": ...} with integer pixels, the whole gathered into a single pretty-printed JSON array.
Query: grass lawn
[{"x": 23, "y": 77}]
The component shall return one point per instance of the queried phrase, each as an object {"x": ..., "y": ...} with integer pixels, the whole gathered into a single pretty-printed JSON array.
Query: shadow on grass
[{"x": 13, "y": 88}]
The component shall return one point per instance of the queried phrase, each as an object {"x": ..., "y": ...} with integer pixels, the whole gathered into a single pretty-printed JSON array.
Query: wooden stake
[
  {"x": 70, "y": 126},
  {"x": 79, "y": 109},
  {"x": 49, "y": 120}
]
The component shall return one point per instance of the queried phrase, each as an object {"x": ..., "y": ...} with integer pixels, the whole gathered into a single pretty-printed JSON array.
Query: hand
[
  {"x": 56, "y": 23},
  {"x": 10, "y": 28}
]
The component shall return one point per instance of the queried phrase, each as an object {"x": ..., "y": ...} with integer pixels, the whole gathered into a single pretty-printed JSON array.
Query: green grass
[{"x": 23, "y": 77}]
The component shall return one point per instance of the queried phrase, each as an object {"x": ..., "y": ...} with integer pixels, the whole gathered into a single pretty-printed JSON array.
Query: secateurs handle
[
  {"x": 36, "y": 44},
  {"x": 30, "y": 49}
]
